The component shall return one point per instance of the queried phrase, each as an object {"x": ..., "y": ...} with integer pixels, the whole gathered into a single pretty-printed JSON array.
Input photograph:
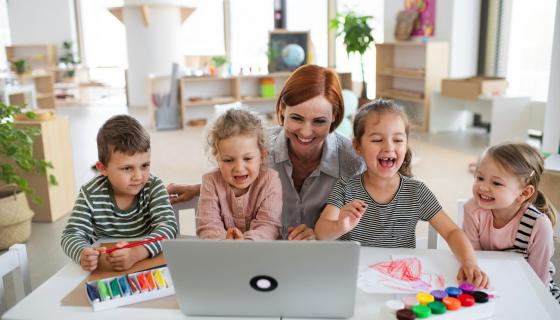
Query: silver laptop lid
[{"x": 264, "y": 278}]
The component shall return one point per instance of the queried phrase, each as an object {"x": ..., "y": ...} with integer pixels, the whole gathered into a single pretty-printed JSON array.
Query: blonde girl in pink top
[
  {"x": 508, "y": 212},
  {"x": 242, "y": 199}
]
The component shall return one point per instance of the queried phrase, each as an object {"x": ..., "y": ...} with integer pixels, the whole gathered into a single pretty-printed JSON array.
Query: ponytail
[
  {"x": 544, "y": 206},
  {"x": 405, "y": 168}
]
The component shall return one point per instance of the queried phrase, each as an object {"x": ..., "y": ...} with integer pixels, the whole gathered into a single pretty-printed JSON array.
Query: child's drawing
[{"x": 403, "y": 275}]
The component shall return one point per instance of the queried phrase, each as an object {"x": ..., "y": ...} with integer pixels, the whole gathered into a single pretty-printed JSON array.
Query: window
[
  {"x": 4, "y": 34},
  {"x": 249, "y": 34},
  {"x": 352, "y": 63},
  {"x": 299, "y": 19},
  {"x": 530, "y": 47}
]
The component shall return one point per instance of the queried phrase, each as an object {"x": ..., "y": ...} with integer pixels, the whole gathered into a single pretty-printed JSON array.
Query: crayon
[
  {"x": 115, "y": 288},
  {"x": 124, "y": 286},
  {"x": 160, "y": 279},
  {"x": 103, "y": 290},
  {"x": 92, "y": 293},
  {"x": 151, "y": 282},
  {"x": 142, "y": 283},
  {"x": 133, "y": 285}
]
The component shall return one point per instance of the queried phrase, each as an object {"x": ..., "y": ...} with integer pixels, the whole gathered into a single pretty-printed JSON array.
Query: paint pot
[
  {"x": 439, "y": 294},
  {"x": 409, "y": 301},
  {"x": 467, "y": 288},
  {"x": 422, "y": 311},
  {"x": 451, "y": 303},
  {"x": 424, "y": 298},
  {"x": 480, "y": 297},
  {"x": 466, "y": 300},
  {"x": 453, "y": 291},
  {"x": 389, "y": 310},
  {"x": 406, "y": 314},
  {"x": 437, "y": 307}
]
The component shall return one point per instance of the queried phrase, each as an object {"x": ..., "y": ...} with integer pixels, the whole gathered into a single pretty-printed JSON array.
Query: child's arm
[
  {"x": 462, "y": 249},
  {"x": 541, "y": 248},
  {"x": 209, "y": 224},
  {"x": 78, "y": 235},
  {"x": 471, "y": 225},
  {"x": 335, "y": 222},
  {"x": 183, "y": 192},
  {"x": 267, "y": 222}
]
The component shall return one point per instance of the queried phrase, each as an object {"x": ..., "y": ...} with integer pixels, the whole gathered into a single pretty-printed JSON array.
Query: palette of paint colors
[{"x": 130, "y": 288}]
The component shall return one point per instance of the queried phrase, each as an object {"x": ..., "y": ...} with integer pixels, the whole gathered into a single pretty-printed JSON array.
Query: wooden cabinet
[
  {"x": 37, "y": 56},
  {"x": 409, "y": 72},
  {"x": 53, "y": 144},
  {"x": 212, "y": 90},
  {"x": 44, "y": 88}
]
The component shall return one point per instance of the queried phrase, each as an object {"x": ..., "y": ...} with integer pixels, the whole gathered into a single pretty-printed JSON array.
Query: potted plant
[
  {"x": 16, "y": 155},
  {"x": 357, "y": 37},
  {"x": 69, "y": 60},
  {"x": 21, "y": 66},
  {"x": 218, "y": 63}
]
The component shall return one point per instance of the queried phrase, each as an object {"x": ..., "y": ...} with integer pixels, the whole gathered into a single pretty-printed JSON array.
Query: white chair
[
  {"x": 14, "y": 262},
  {"x": 435, "y": 241},
  {"x": 190, "y": 208}
]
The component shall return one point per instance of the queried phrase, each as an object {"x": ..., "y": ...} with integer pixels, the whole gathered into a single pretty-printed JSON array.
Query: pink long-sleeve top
[
  {"x": 479, "y": 228},
  {"x": 256, "y": 213}
]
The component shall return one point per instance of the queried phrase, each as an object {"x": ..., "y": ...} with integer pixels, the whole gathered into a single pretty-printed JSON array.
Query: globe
[{"x": 293, "y": 55}]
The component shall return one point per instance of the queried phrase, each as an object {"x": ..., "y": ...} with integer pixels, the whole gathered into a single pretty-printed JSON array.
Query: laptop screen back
[{"x": 265, "y": 278}]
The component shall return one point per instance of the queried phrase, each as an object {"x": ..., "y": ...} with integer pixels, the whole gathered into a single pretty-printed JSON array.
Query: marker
[
  {"x": 151, "y": 281},
  {"x": 115, "y": 288},
  {"x": 92, "y": 293},
  {"x": 160, "y": 279},
  {"x": 133, "y": 285},
  {"x": 103, "y": 290},
  {"x": 142, "y": 283},
  {"x": 124, "y": 286},
  {"x": 135, "y": 244}
]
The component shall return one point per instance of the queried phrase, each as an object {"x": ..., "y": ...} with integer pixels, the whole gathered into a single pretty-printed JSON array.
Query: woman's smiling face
[{"x": 307, "y": 124}]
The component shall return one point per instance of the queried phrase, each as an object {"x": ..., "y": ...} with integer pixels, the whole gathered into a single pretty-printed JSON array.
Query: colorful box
[
  {"x": 471, "y": 88},
  {"x": 129, "y": 288},
  {"x": 268, "y": 87}
]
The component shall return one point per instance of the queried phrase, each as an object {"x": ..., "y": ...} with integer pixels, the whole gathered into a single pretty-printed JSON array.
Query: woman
[{"x": 308, "y": 155}]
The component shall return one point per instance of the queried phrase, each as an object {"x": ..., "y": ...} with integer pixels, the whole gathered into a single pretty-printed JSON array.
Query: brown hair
[
  {"x": 379, "y": 106},
  {"x": 527, "y": 163},
  {"x": 236, "y": 122},
  {"x": 121, "y": 133},
  {"x": 307, "y": 82}
]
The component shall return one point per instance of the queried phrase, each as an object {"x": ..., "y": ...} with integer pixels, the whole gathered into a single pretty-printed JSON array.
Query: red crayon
[{"x": 135, "y": 244}]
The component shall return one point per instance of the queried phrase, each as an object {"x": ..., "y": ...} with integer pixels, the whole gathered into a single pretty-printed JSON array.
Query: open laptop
[{"x": 264, "y": 278}]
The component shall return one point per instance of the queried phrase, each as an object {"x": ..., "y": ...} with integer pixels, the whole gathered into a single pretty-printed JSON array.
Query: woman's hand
[
  {"x": 301, "y": 232},
  {"x": 182, "y": 192},
  {"x": 471, "y": 273},
  {"x": 350, "y": 215}
]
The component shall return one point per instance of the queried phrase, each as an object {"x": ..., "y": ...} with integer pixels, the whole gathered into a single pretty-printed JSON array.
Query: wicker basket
[{"x": 15, "y": 219}]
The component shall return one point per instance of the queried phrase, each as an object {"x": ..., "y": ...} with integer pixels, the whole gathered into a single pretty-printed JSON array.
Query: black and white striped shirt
[
  {"x": 390, "y": 225},
  {"x": 96, "y": 215}
]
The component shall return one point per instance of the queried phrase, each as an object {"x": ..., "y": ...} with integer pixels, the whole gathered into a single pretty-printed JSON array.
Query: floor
[{"x": 441, "y": 160}]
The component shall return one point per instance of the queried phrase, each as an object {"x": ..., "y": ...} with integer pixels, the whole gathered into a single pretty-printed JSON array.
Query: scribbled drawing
[{"x": 401, "y": 275}]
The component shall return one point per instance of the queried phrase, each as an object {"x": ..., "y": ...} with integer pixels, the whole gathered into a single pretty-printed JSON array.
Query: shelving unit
[
  {"x": 38, "y": 56},
  {"x": 208, "y": 91},
  {"x": 409, "y": 72},
  {"x": 44, "y": 87}
]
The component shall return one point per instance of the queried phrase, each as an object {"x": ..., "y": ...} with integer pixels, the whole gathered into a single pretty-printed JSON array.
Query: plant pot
[
  {"x": 363, "y": 97},
  {"x": 15, "y": 218}
]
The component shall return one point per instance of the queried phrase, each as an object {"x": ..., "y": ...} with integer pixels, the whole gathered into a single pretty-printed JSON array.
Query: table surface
[{"x": 529, "y": 299}]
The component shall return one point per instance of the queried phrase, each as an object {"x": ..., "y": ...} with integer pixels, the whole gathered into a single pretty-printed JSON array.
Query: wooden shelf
[
  {"x": 39, "y": 56},
  {"x": 208, "y": 102},
  {"x": 402, "y": 73},
  {"x": 405, "y": 95}
]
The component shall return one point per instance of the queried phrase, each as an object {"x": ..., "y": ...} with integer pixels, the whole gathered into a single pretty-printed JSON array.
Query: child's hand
[
  {"x": 351, "y": 214},
  {"x": 301, "y": 232},
  {"x": 125, "y": 258},
  {"x": 471, "y": 273},
  {"x": 90, "y": 258},
  {"x": 234, "y": 234}
]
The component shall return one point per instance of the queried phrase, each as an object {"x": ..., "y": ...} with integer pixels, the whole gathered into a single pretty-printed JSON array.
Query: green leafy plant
[
  {"x": 357, "y": 36},
  {"x": 16, "y": 151},
  {"x": 69, "y": 59},
  {"x": 21, "y": 66},
  {"x": 218, "y": 61}
]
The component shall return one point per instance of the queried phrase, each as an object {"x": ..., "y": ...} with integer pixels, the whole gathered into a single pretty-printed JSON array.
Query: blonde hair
[
  {"x": 236, "y": 122},
  {"x": 527, "y": 163},
  {"x": 380, "y": 106}
]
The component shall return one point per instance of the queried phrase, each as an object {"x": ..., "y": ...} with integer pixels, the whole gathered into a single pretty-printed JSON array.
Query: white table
[
  {"x": 510, "y": 117},
  {"x": 10, "y": 89},
  {"x": 503, "y": 268}
]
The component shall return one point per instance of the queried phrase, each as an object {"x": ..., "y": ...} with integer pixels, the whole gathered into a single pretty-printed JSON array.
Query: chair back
[
  {"x": 14, "y": 262},
  {"x": 435, "y": 241}
]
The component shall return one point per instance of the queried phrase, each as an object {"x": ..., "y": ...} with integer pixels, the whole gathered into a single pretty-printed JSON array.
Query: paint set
[
  {"x": 463, "y": 302},
  {"x": 129, "y": 288}
]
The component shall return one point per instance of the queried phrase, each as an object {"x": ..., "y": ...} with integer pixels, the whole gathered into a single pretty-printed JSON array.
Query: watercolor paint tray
[{"x": 142, "y": 286}]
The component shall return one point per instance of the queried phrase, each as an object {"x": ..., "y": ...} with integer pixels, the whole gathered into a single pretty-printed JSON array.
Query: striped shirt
[
  {"x": 96, "y": 215},
  {"x": 390, "y": 225}
]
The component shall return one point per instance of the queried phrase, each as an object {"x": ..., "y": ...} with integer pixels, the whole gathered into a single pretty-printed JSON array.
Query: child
[
  {"x": 242, "y": 199},
  {"x": 125, "y": 201},
  {"x": 508, "y": 212},
  {"x": 381, "y": 207}
]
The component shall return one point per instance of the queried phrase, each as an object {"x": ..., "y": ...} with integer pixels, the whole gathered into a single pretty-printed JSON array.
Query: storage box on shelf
[
  {"x": 471, "y": 88},
  {"x": 211, "y": 90},
  {"x": 409, "y": 72},
  {"x": 38, "y": 56}
]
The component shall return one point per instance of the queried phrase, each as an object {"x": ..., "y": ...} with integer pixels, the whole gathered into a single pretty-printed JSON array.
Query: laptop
[{"x": 264, "y": 278}]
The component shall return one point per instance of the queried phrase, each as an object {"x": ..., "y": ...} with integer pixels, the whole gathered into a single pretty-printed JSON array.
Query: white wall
[
  {"x": 457, "y": 22},
  {"x": 4, "y": 34},
  {"x": 551, "y": 134},
  {"x": 41, "y": 21}
]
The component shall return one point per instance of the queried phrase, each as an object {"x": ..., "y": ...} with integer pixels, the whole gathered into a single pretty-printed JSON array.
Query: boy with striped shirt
[{"x": 125, "y": 201}]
